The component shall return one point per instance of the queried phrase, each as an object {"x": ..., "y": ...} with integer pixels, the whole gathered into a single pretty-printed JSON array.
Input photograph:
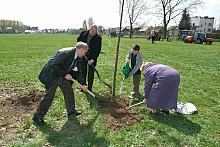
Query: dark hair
[{"x": 136, "y": 47}]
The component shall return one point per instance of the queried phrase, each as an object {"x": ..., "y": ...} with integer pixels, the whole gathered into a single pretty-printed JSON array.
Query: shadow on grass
[
  {"x": 178, "y": 122},
  {"x": 73, "y": 133}
]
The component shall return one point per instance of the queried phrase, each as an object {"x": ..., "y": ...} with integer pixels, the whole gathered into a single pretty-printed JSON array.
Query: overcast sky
[{"x": 71, "y": 13}]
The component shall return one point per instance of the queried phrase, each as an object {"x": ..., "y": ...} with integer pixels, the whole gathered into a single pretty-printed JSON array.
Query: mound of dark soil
[
  {"x": 14, "y": 107},
  {"x": 116, "y": 116}
]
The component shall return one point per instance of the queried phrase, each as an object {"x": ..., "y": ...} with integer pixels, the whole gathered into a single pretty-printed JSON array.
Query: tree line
[{"x": 12, "y": 26}]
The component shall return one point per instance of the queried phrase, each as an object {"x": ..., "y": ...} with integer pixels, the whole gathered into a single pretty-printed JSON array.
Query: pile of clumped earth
[
  {"x": 116, "y": 116},
  {"x": 16, "y": 105}
]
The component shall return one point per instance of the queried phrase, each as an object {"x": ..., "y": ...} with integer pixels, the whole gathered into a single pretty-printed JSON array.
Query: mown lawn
[{"x": 23, "y": 56}]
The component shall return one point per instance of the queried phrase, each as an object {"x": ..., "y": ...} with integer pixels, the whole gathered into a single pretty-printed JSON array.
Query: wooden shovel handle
[{"x": 89, "y": 92}]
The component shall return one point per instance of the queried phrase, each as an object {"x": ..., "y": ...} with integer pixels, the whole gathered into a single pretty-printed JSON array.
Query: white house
[{"x": 202, "y": 24}]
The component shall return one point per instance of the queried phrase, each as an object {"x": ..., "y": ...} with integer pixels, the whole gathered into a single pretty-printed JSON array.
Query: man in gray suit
[{"x": 58, "y": 72}]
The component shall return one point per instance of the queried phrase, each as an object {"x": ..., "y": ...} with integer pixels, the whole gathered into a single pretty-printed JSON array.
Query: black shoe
[
  {"x": 166, "y": 112},
  {"x": 39, "y": 121},
  {"x": 75, "y": 113},
  {"x": 72, "y": 116}
]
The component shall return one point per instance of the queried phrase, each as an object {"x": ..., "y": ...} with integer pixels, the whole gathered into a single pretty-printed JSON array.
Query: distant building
[
  {"x": 31, "y": 30},
  {"x": 202, "y": 24},
  {"x": 135, "y": 30},
  {"x": 35, "y": 28},
  {"x": 100, "y": 29},
  {"x": 113, "y": 30},
  {"x": 71, "y": 31},
  {"x": 173, "y": 31},
  {"x": 126, "y": 30},
  {"x": 143, "y": 30},
  {"x": 9, "y": 30}
]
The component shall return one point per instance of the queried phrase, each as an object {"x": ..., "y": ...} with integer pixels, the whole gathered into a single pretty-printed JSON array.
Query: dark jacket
[
  {"x": 94, "y": 45},
  {"x": 133, "y": 63},
  {"x": 58, "y": 66}
]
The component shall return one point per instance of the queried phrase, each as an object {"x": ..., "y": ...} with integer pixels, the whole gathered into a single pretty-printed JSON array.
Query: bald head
[{"x": 81, "y": 49}]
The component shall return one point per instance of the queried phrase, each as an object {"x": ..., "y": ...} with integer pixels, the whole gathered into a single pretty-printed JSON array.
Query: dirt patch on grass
[
  {"x": 116, "y": 116},
  {"x": 15, "y": 105}
]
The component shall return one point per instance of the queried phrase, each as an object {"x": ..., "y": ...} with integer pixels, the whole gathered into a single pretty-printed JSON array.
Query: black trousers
[
  {"x": 67, "y": 90},
  {"x": 85, "y": 68}
]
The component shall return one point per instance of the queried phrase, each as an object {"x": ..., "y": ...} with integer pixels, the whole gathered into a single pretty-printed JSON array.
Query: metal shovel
[{"x": 129, "y": 107}]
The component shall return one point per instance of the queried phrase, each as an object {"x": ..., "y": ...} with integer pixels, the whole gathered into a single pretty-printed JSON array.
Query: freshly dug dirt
[
  {"x": 15, "y": 106},
  {"x": 116, "y": 116}
]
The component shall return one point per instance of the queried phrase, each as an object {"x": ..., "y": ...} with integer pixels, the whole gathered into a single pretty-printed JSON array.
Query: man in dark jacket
[
  {"x": 94, "y": 42},
  {"x": 58, "y": 72}
]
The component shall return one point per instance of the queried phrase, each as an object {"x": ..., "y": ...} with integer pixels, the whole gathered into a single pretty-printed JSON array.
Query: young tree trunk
[
  {"x": 117, "y": 52},
  {"x": 164, "y": 22},
  {"x": 131, "y": 30},
  {"x": 165, "y": 31}
]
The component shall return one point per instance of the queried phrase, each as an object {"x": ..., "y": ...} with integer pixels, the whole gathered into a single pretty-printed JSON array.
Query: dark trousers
[
  {"x": 90, "y": 69},
  {"x": 136, "y": 84},
  {"x": 67, "y": 90}
]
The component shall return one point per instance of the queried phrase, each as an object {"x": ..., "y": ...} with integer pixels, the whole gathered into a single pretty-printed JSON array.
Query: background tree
[
  {"x": 20, "y": 27},
  {"x": 15, "y": 25},
  {"x": 185, "y": 22},
  {"x": 90, "y": 22},
  {"x": 170, "y": 9},
  {"x": 84, "y": 25},
  {"x": 100, "y": 29},
  {"x": 135, "y": 8}
]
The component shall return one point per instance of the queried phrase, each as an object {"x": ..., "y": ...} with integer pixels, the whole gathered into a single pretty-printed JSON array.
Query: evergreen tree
[{"x": 185, "y": 22}]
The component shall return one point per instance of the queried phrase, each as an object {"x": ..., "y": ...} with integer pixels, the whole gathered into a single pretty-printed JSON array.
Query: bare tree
[
  {"x": 90, "y": 21},
  {"x": 135, "y": 8},
  {"x": 120, "y": 5},
  {"x": 84, "y": 25},
  {"x": 170, "y": 9}
]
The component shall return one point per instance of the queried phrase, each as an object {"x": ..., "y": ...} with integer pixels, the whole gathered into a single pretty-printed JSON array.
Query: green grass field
[{"x": 23, "y": 56}]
